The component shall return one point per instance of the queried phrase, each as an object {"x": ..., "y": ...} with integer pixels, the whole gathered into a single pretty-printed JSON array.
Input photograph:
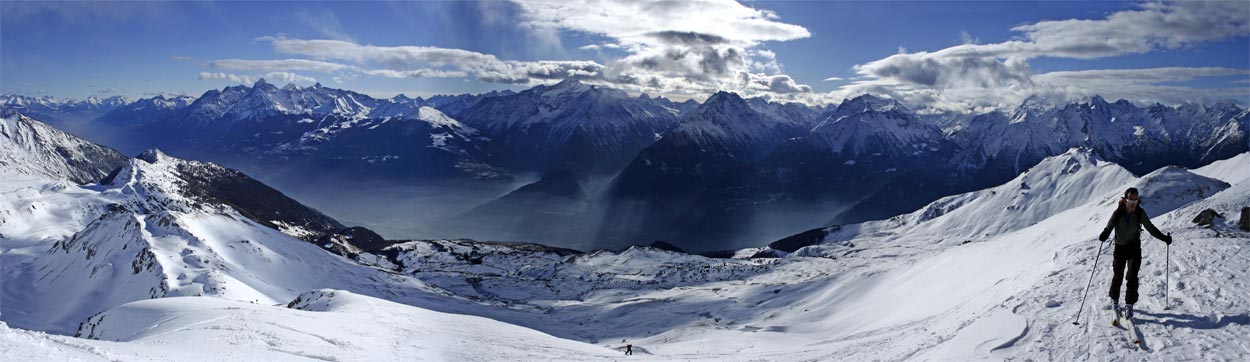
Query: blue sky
[{"x": 946, "y": 55}]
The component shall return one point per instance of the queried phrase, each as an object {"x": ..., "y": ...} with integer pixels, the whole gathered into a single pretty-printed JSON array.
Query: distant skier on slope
[{"x": 1127, "y": 221}]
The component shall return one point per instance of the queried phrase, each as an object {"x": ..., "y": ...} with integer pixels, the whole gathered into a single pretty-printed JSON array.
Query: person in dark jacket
[{"x": 1127, "y": 221}]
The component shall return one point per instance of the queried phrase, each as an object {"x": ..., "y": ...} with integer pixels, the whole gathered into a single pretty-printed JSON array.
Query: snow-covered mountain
[
  {"x": 141, "y": 111},
  {"x": 156, "y": 181},
  {"x": 425, "y": 145},
  {"x": 868, "y": 127},
  {"x": 59, "y": 112},
  {"x": 30, "y": 147},
  {"x": 454, "y": 105},
  {"x": 754, "y": 170},
  {"x": 997, "y": 273},
  {"x": 293, "y": 132},
  {"x": 1057, "y": 184},
  {"x": 663, "y": 180},
  {"x": 872, "y": 158},
  {"x": 571, "y": 125},
  {"x": 1143, "y": 139},
  {"x": 854, "y": 150},
  {"x": 161, "y": 226}
]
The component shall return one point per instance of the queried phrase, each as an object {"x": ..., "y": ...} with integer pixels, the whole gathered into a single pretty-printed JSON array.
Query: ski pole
[
  {"x": 1167, "y": 270},
  {"x": 1077, "y": 321}
]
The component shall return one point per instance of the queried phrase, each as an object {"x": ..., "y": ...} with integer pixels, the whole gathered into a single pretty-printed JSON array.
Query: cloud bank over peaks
[
  {"x": 971, "y": 77},
  {"x": 684, "y": 48}
]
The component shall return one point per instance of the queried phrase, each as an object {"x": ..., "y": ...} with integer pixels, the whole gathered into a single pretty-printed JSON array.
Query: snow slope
[
  {"x": 1056, "y": 184},
  {"x": 1232, "y": 170},
  {"x": 324, "y": 324}
]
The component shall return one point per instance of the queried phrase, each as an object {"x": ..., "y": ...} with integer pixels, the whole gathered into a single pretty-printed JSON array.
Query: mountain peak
[
  {"x": 724, "y": 96},
  {"x": 569, "y": 82},
  {"x": 260, "y": 82},
  {"x": 868, "y": 102},
  {"x": 152, "y": 155},
  {"x": 1096, "y": 100},
  {"x": 566, "y": 86}
]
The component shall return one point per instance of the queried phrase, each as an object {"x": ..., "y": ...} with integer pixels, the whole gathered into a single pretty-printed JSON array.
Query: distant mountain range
[
  {"x": 62, "y": 113},
  {"x": 703, "y": 176}
]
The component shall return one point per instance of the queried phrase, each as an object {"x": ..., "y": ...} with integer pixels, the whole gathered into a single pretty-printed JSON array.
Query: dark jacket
[{"x": 1128, "y": 226}]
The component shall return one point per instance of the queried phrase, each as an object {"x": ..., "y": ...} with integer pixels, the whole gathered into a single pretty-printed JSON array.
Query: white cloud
[
  {"x": 1142, "y": 85},
  {"x": 416, "y": 73},
  {"x": 833, "y": 79},
  {"x": 634, "y": 22},
  {"x": 424, "y": 61},
  {"x": 274, "y": 77},
  {"x": 276, "y": 65},
  {"x": 693, "y": 47},
  {"x": 974, "y": 76},
  {"x": 287, "y": 77},
  {"x": 224, "y": 76},
  {"x": 661, "y": 47}
]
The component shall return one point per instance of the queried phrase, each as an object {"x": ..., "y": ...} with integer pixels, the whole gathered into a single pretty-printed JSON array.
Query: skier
[
  {"x": 629, "y": 349},
  {"x": 1128, "y": 220}
]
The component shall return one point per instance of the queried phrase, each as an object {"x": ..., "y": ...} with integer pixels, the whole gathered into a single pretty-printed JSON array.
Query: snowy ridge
[
  {"x": 868, "y": 125},
  {"x": 166, "y": 244},
  {"x": 1233, "y": 170},
  {"x": 31, "y": 147},
  {"x": 1116, "y": 131},
  {"x": 726, "y": 118},
  {"x": 1055, "y": 185},
  {"x": 264, "y": 99}
]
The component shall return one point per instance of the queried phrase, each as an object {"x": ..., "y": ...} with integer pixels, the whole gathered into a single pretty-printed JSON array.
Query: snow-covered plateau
[{"x": 151, "y": 264}]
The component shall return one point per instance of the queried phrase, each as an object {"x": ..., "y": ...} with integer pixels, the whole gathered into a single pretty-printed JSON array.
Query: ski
[
  {"x": 1134, "y": 335},
  {"x": 1120, "y": 321}
]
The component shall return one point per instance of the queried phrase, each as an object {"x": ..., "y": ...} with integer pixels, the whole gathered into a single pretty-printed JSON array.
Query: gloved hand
[
  {"x": 1102, "y": 237},
  {"x": 1167, "y": 239}
]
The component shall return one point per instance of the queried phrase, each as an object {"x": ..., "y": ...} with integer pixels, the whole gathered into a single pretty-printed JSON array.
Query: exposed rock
[
  {"x": 664, "y": 245},
  {"x": 794, "y": 242},
  {"x": 1207, "y": 217}
]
